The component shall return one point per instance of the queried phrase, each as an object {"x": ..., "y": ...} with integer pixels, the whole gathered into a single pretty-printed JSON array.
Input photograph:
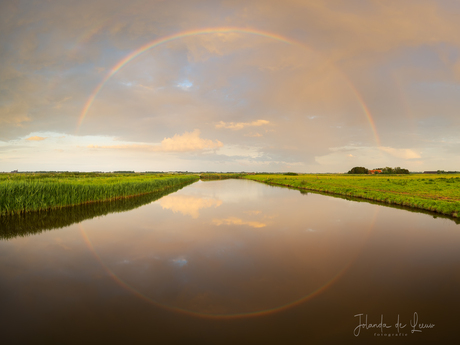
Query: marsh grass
[
  {"x": 30, "y": 223},
  {"x": 38, "y": 192}
]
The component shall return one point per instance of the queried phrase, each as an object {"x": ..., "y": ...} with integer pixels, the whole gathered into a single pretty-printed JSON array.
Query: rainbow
[
  {"x": 204, "y": 31},
  {"x": 366, "y": 112}
]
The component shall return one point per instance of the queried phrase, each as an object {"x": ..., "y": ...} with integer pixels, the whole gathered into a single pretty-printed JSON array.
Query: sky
[{"x": 265, "y": 86}]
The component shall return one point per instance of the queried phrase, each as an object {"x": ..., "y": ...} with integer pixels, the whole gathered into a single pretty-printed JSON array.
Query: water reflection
[
  {"x": 238, "y": 221},
  {"x": 213, "y": 274},
  {"x": 35, "y": 222},
  {"x": 218, "y": 262},
  {"x": 188, "y": 204}
]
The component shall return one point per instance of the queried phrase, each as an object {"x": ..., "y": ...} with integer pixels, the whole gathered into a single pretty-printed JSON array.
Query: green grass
[
  {"x": 223, "y": 176},
  {"x": 21, "y": 193},
  {"x": 436, "y": 193},
  {"x": 30, "y": 223}
]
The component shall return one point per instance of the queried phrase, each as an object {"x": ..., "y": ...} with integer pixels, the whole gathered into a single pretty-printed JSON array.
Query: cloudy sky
[{"x": 292, "y": 85}]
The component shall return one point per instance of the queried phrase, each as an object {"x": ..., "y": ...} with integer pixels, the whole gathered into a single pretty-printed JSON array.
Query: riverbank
[
  {"x": 219, "y": 176},
  {"x": 21, "y": 193},
  {"x": 439, "y": 193}
]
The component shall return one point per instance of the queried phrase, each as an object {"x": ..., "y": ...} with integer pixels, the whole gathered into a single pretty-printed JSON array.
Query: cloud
[
  {"x": 36, "y": 138},
  {"x": 14, "y": 116},
  {"x": 240, "y": 125},
  {"x": 238, "y": 221},
  {"x": 187, "y": 142},
  {"x": 401, "y": 153},
  {"x": 253, "y": 135},
  {"x": 402, "y": 57}
]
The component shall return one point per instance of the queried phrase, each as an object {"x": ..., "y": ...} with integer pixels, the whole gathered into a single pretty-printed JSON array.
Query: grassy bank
[
  {"x": 436, "y": 193},
  {"x": 30, "y": 223},
  {"x": 36, "y": 192},
  {"x": 223, "y": 176}
]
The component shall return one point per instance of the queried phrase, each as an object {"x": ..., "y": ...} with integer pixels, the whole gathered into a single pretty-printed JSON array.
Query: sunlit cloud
[
  {"x": 253, "y": 135},
  {"x": 15, "y": 120},
  {"x": 253, "y": 212},
  {"x": 401, "y": 153},
  {"x": 240, "y": 125},
  {"x": 187, "y": 142},
  {"x": 36, "y": 138},
  {"x": 188, "y": 205},
  {"x": 238, "y": 221}
]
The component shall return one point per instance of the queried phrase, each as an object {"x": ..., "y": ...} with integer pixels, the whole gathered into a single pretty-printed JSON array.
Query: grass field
[
  {"x": 219, "y": 176},
  {"x": 35, "y": 192},
  {"x": 436, "y": 193}
]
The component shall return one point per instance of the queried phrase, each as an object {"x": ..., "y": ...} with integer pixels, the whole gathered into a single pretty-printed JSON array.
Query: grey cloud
[{"x": 402, "y": 58}]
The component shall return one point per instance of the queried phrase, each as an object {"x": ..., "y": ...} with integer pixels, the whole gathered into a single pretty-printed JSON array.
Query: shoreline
[
  {"x": 23, "y": 196},
  {"x": 449, "y": 208}
]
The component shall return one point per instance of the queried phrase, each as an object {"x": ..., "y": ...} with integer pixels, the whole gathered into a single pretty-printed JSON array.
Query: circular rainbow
[{"x": 203, "y": 31}]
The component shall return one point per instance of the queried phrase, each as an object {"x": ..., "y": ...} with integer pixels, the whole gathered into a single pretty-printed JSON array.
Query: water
[{"x": 231, "y": 261}]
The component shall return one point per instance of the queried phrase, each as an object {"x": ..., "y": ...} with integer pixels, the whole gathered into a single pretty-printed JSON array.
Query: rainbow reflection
[{"x": 119, "y": 281}]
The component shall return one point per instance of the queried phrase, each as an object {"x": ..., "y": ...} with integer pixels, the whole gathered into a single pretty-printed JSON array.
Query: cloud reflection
[
  {"x": 188, "y": 205},
  {"x": 238, "y": 221}
]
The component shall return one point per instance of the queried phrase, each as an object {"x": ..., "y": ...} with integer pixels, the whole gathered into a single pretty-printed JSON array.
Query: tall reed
[{"x": 21, "y": 194}]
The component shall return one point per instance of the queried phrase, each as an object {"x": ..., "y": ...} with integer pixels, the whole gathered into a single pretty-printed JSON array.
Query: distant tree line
[
  {"x": 396, "y": 170},
  {"x": 387, "y": 170}
]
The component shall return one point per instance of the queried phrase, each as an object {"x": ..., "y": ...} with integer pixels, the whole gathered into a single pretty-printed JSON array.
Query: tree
[
  {"x": 396, "y": 170},
  {"x": 399, "y": 170},
  {"x": 358, "y": 170}
]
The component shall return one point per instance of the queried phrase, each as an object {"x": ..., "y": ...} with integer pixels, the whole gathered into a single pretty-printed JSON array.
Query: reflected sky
[
  {"x": 236, "y": 249},
  {"x": 222, "y": 254}
]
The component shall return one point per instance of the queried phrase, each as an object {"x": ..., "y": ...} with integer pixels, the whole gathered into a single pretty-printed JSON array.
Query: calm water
[{"x": 231, "y": 261}]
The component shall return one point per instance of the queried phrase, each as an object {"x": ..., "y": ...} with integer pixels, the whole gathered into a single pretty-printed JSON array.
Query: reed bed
[
  {"x": 36, "y": 192},
  {"x": 29, "y": 223}
]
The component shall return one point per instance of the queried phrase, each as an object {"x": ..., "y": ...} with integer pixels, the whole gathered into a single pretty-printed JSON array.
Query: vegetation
[
  {"x": 435, "y": 193},
  {"x": 37, "y": 192},
  {"x": 396, "y": 170},
  {"x": 358, "y": 170},
  {"x": 387, "y": 170},
  {"x": 221, "y": 176},
  {"x": 30, "y": 223}
]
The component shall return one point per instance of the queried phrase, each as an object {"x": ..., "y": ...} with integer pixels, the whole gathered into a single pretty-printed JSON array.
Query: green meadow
[
  {"x": 436, "y": 193},
  {"x": 21, "y": 193},
  {"x": 219, "y": 176},
  {"x": 37, "y": 192}
]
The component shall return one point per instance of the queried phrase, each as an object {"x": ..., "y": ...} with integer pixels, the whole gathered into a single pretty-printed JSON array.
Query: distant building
[
  {"x": 14, "y": 171},
  {"x": 377, "y": 171}
]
